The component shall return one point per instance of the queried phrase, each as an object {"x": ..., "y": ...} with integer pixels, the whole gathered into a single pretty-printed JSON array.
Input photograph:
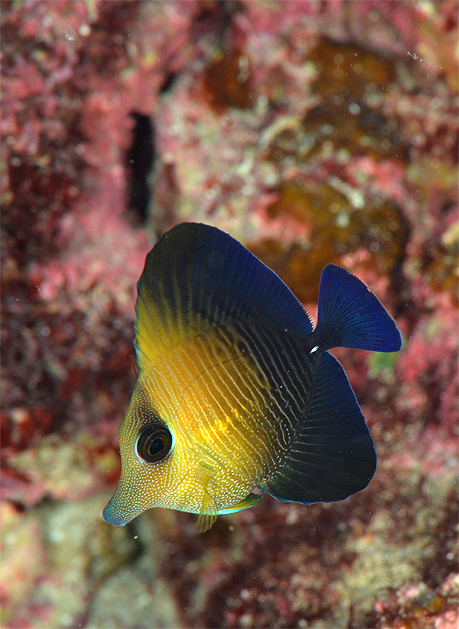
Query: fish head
[
  {"x": 173, "y": 461},
  {"x": 158, "y": 469}
]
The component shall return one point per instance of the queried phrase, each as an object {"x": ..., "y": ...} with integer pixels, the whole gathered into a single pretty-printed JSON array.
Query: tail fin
[{"x": 350, "y": 315}]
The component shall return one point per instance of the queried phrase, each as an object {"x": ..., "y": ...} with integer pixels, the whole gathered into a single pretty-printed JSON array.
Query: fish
[{"x": 237, "y": 390}]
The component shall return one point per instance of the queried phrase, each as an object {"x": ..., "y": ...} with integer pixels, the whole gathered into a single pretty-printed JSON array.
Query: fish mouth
[{"x": 113, "y": 515}]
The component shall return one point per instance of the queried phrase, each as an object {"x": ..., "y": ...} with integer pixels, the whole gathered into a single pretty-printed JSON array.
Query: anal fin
[
  {"x": 249, "y": 501},
  {"x": 332, "y": 455}
]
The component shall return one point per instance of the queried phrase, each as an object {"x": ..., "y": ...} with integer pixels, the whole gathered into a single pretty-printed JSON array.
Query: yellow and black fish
[{"x": 236, "y": 389}]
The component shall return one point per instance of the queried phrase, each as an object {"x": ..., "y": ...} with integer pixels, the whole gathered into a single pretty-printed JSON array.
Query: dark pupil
[
  {"x": 154, "y": 443},
  {"x": 156, "y": 446}
]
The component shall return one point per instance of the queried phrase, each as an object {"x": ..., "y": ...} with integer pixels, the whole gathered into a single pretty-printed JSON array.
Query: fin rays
[
  {"x": 338, "y": 458},
  {"x": 350, "y": 315},
  {"x": 197, "y": 275},
  {"x": 207, "y": 516}
]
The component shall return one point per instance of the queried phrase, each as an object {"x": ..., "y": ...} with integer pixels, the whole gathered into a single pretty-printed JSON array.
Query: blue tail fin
[{"x": 350, "y": 315}]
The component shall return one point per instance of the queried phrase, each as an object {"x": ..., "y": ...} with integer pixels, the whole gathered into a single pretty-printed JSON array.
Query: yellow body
[{"x": 210, "y": 392}]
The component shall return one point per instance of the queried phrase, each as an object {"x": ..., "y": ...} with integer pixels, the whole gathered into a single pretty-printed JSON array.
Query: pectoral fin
[
  {"x": 207, "y": 515},
  {"x": 208, "y": 512}
]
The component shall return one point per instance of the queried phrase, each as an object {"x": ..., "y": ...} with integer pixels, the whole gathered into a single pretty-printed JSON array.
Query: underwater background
[{"x": 312, "y": 132}]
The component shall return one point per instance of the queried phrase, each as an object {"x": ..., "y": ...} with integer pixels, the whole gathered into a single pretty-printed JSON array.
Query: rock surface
[{"x": 313, "y": 132}]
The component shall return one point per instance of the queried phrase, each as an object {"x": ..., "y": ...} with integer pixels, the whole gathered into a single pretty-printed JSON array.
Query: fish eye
[{"x": 154, "y": 443}]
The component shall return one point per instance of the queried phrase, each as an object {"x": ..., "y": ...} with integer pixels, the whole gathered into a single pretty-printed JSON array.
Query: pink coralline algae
[{"x": 313, "y": 132}]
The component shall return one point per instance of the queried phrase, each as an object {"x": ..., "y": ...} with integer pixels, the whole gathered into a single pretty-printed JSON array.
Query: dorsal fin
[{"x": 197, "y": 275}]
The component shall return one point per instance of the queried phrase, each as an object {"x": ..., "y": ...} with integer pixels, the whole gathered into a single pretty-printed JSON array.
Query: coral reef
[{"x": 314, "y": 132}]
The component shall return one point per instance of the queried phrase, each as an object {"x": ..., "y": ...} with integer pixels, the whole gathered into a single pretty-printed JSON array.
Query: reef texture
[{"x": 314, "y": 132}]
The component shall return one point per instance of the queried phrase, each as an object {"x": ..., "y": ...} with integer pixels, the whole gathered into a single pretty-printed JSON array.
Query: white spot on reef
[
  {"x": 84, "y": 30},
  {"x": 354, "y": 109}
]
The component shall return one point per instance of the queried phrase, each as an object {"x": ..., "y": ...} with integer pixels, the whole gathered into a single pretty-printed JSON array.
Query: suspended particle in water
[{"x": 70, "y": 35}]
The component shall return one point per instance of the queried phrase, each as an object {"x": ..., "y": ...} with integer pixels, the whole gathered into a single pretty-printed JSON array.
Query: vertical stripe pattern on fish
[{"x": 236, "y": 388}]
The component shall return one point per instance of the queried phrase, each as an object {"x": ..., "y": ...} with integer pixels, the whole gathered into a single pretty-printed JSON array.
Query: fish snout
[{"x": 116, "y": 515}]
